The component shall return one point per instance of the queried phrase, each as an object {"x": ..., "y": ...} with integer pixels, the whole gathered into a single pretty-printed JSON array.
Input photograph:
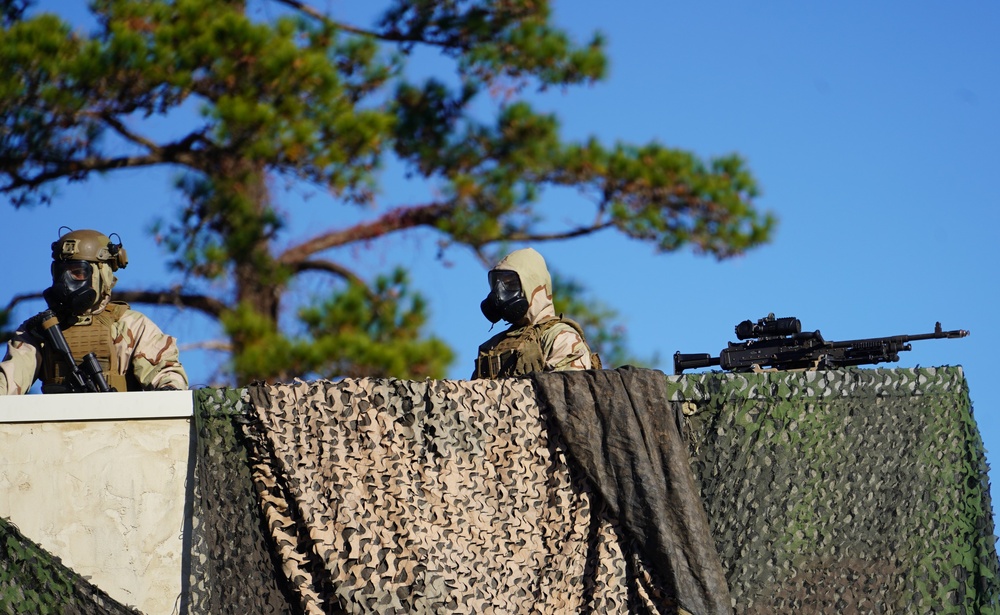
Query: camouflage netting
[
  {"x": 390, "y": 496},
  {"x": 34, "y": 582},
  {"x": 849, "y": 491},
  {"x": 232, "y": 565}
]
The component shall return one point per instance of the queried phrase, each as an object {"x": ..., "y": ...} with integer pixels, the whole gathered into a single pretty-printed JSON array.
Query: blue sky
[{"x": 871, "y": 127}]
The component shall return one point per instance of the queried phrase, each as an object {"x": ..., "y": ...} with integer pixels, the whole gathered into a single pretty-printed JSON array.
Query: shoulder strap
[
  {"x": 117, "y": 309},
  {"x": 547, "y": 326}
]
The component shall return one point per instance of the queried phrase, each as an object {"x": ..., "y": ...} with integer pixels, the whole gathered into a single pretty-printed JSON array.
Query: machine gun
[
  {"x": 780, "y": 344},
  {"x": 87, "y": 377}
]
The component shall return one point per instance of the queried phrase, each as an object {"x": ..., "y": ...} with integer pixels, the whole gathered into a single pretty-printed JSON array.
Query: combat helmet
[
  {"x": 91, "y": 246},
  {"x": 83, "y": 263}
]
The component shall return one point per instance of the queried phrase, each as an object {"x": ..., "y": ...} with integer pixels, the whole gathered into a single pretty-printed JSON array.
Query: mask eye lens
[
  {"x": 506, "y": 284},
  {"x": 77, "y": 270}
]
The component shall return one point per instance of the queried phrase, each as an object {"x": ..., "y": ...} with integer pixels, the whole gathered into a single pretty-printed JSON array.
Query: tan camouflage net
[
  {"x": 389, "y": 496},
  {"x": 848, "y": 491}
]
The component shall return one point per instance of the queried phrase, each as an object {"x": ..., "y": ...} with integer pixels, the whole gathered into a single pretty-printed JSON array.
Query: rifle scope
[{"x": 768, "y": 326}]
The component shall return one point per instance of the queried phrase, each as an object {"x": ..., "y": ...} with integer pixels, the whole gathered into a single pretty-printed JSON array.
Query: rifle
[
  {"x": 87, "y": 377},
  {"x": 780, "y": 344}
]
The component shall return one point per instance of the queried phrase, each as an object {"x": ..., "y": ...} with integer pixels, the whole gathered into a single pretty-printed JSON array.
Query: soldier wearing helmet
[
  {"x": 538, "y": 339},
  {"x": 131, "y": 350}
]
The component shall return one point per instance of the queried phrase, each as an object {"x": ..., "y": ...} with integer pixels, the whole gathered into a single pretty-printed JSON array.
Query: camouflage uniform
[
  {"x": 131, "y": 350},
  {"x": 541, "y": 340},
  {"x": 146, "y": 358}
]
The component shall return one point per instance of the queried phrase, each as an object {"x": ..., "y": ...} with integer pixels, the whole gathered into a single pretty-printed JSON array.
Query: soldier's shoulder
[
  {"x": 131, "y": 318},
  {"x": 496, "y": 339},
  {"x": 560, "y": 324},
  {"x": 118, "y": 309}
]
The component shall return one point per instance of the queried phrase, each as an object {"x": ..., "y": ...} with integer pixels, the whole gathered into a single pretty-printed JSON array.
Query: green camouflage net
[
  {"x": 34, "y": 582},
  {"x": 848, "y": 491},
  {"x": 232, "y": 569}
]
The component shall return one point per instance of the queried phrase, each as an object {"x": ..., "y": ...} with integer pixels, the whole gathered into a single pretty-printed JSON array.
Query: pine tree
[{"x": 287, "y": 95}]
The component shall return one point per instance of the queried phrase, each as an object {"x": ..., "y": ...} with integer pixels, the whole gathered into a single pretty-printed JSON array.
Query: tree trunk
[{"x": 258, "y": 279}]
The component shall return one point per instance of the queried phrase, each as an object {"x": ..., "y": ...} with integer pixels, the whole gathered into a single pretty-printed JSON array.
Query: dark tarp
[{"x": 619, "y": 428}]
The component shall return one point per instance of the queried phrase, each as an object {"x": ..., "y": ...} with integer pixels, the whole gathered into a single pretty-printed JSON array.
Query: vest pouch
[{"x": 83, "y": 339}]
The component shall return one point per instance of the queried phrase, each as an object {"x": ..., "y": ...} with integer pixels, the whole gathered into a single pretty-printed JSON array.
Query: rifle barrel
[
  {"x": 693, "y": 360},
  {"x": 900, "y": 340}
]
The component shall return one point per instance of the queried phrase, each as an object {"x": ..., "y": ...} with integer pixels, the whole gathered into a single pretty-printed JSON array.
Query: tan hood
[
  {"x": 104, "y": 280},
  {"x": 535, "y": 280}
]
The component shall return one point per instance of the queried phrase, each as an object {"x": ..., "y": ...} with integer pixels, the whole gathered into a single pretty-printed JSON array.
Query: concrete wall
[{"x": 99, "y": 481}]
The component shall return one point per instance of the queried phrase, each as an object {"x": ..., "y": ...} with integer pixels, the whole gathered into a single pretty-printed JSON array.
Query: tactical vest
[
  {"x": 83, "y": 338},
  {"x": 520, "y": 352}
]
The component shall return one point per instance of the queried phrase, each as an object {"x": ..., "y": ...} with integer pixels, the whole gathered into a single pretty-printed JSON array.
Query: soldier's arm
[
  {"x": 20, "y": 366},
  {"x": 154, "y": 356},
  {"x": 569, "y": 351}
]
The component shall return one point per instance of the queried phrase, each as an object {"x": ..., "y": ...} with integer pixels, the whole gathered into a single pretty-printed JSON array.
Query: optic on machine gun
[
  {"x": 769, "y": 326},
  {"x": 779, "y": 344}
]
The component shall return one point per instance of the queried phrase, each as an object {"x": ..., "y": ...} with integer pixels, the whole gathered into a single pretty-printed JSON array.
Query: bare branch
[
  {"x": 311, "y": 12},
  {"x": 208, "y": 305},
  {"x": 21, "y": 298},
  {"x": 61, "y": 169},
  {"x": 218, "y": 345},
  {"x": 336, "y": 269},
  {"x": 578, "y": 232},
  {"x": 120, "y": 128},
  {"x": 396, "y": 37},
  {"x": 395, "y": 220},
  {"x": 328, "y": 267}
]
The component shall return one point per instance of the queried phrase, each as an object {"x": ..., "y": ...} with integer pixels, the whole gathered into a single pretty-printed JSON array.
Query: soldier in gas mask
[
  {"x": 538, "y": 339},
  {"x": 131, "y": 350}
]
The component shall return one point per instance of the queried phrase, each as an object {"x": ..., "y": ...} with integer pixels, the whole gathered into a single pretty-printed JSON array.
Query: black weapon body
[
  {"x": 780, "y": 344},
  {"x": 87, "y": 377}
]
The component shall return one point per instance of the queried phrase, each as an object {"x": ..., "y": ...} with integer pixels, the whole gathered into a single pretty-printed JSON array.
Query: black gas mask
[
  {"x": 506, "y": 299},
  {"x": 72, "y": 292}
]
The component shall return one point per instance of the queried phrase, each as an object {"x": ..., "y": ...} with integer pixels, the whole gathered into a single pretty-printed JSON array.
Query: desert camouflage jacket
[
  {"x": 559, "y": 341},
  {"x": 556, "y": 344},
  {"x": 143, "y": 356}
]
